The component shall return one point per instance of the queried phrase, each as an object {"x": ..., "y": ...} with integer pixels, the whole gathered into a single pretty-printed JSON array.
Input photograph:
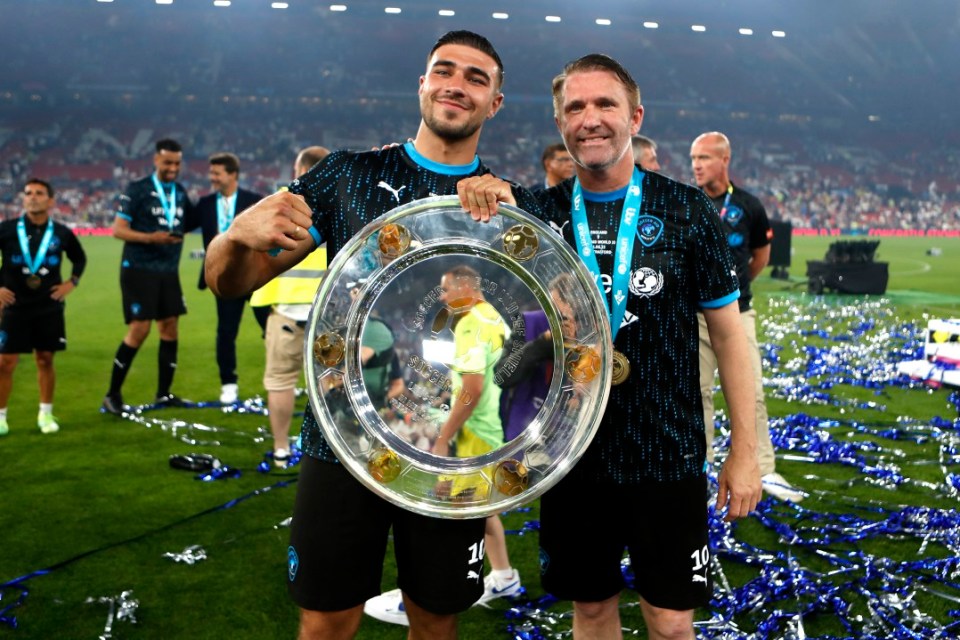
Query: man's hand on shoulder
[{"x": 480, "y": 195}]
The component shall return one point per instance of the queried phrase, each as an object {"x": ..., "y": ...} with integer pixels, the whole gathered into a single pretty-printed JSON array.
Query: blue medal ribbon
[
  {"x": 623, "y": 252},
  {"x": 34, "y": 262},
  {"x": 226, "y": 212},
  {"x": 169, "y": 206},
  {"x": 726, "y": 201}
]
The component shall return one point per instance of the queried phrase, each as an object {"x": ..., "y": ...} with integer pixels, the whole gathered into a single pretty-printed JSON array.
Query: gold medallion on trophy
[
  {"x": 394, "y": 240},
  {"x": 582, "y": 363},
  {"x": 328, "y": 348},
  {"x": 384, "y": 465},
  {"x": 510, "y": 477},
  {"x": 520, "y": 242},
  {"x": 621, "y": 368}
]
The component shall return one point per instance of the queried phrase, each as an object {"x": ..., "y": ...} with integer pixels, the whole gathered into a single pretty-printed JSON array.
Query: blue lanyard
[
  {"x": 169, "y": 206},
  {"x": 34, "y": 263},
  {"x": 225, "y": 212},
  {"x": 623, "y": 253},
  {"x": 726, "y": 201}
]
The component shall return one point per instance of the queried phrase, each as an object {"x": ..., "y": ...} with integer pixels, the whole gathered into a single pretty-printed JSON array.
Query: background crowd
[
  {"x": 831, "y": 127},
  {"x": 810, "y": 181}
]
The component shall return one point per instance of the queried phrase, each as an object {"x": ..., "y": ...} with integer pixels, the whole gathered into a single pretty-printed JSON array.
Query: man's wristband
[{"x": 75, "y": 280}]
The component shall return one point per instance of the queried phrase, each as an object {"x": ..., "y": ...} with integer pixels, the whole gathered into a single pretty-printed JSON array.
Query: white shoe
[
  {"x": 387, "y": 607},
  {"x": 281, "y": 457},
  {"x": 229, "y": 393},
  {"x": 47, "y": 423},
  {"x": 494, "y": 588},
  {"x": 777, "y": 486}
]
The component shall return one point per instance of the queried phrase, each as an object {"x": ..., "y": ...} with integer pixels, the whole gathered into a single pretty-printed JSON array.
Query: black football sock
[
  {"x": 121, "y": 365},
  {"x": 167, "y": 365}
]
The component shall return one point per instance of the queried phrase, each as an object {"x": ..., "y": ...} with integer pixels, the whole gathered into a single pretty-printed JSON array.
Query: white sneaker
[
  {"x": 229, "y": 393},
  {"x": 387, "y": 607},
  {"x": 777, "y": 486},
  {"x": 47, "y": 423},
  {"x": 494, "y": 588},
  {"x": 281, "y": 457}
]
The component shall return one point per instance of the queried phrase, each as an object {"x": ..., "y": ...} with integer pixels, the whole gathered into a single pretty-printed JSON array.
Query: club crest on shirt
[
  {"x": 735, "y": 239},
  {"x": 649, "y": 230},
  {"x": 734, "y": 214},
  {"x": 645, "y": 282}
]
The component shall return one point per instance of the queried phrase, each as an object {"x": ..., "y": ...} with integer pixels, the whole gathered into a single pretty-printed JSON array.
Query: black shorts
[
  {"x": 585, "y": 527},
  {"x": 151, "y": 295},
  {"x": 33, "y": 331},
  {"x": 338, "y": 540}
]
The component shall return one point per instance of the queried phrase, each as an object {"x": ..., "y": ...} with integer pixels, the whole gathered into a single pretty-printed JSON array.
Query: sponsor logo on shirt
[{"x": 645, "y": 282}]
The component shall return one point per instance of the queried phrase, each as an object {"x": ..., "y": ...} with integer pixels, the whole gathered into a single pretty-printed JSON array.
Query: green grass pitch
[{"x": 99, "y": 504}]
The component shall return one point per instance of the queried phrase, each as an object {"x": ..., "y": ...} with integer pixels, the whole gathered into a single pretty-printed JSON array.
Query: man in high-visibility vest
[{"x": 290, "y": 295}]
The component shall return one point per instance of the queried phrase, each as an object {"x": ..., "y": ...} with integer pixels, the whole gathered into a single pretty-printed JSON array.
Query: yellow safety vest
[{"x": 297, "y": 285}]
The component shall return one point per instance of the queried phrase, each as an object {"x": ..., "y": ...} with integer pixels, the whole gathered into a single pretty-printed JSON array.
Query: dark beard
[{"x": 448, "y": 132}]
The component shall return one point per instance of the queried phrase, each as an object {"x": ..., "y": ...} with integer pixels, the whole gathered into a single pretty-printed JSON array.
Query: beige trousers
[{"x": 708, "y": 372}]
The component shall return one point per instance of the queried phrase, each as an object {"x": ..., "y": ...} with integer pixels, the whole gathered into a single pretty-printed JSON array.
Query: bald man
[{"x": 747, "y": 229}]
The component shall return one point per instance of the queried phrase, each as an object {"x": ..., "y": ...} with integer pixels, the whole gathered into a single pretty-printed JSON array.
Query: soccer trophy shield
[{"x": 458, "y": 368}]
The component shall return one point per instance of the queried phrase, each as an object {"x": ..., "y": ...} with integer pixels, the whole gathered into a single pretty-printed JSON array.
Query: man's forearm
[
  {"x": 232, "y": 269},
  {"x": 736, "y": 381}
]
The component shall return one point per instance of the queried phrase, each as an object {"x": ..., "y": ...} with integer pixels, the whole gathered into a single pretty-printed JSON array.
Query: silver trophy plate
[{"x": 426, "y": 317}]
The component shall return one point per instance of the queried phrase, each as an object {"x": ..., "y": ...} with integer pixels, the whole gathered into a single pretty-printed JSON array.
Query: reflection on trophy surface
[
  {"x": 531, "y": 361},
  {"x": 381, "y": 373},
  {"x": 473, "y": 424}
]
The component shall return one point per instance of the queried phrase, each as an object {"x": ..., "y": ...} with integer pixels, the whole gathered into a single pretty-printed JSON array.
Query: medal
[
  {"x": 621, "y": 368},
  {"x": 226, "y": 211},
  {"x": 169, "y": 206},
  {"x": 623, "y": 254},
  {"x": 32, "y": 263}
]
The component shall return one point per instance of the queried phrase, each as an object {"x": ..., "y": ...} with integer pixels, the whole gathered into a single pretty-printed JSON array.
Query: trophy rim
[{"x": 411, "y": 459}]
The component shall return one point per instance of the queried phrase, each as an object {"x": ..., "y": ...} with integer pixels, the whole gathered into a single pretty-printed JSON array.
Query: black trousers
[{"x": 229, "y": 313}]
